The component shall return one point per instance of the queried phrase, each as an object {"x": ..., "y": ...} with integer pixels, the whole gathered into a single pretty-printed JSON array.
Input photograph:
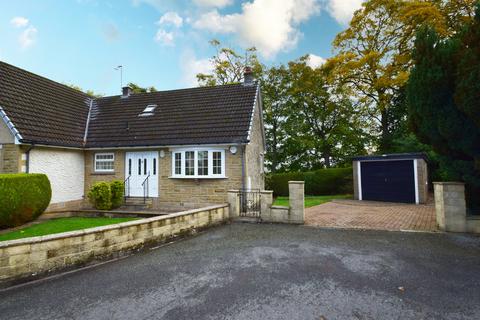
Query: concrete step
[{"x": 138, "y": 200}]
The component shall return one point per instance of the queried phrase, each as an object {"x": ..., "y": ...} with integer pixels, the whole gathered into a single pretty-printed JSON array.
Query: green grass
[
  {"x": 61, "y": 225},
  {"x": 311, "y": 201}
]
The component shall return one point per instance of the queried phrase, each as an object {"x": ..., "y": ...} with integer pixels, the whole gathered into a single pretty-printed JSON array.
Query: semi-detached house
[{"x": 181, "y": 148}]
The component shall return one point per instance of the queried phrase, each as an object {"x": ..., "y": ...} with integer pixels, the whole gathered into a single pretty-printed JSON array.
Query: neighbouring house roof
[
  {"x": 42, "y": 110},
  {"x": 46, "y": 112}
]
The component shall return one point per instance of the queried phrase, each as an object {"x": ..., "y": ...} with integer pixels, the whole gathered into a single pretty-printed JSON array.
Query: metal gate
[{"x": 250, "y": 203}]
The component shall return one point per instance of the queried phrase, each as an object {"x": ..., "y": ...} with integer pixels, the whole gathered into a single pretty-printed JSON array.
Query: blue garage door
[{"x": 391, "y": 181}]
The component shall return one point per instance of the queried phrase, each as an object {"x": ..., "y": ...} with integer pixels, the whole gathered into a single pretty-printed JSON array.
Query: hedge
[
  {"x": 106, "y": 195},
  {"x": 117, "y": 189},
  {"x": 23, "y": 197},
  {"x": 319, "y": 182}
]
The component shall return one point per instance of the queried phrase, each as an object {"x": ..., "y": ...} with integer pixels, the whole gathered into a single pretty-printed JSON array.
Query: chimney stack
[
  {"x": 248, "y": 79},
  {"x": 126, "y": 92}
]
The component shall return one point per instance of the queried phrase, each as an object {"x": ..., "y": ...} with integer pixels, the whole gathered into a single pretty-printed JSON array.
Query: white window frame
[
  {"x": 196, "y": 175},
  {"x": 95, "y": 160}
]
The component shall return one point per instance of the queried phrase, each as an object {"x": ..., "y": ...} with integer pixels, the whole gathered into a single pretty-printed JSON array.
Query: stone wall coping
[
  {"x": 449, "y": 183},
  {"x": 296, "y": 182},
  {"x": 76, "y": 233},
  {"x": 280, "y": 207},
  {"x": 266, "y": 191},
  {"x": 233, "y": 191}
]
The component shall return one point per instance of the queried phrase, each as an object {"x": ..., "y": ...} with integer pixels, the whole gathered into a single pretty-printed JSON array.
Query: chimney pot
[
  {"x": 126, "y": 92},
  {"x": 248, "y": 79}
]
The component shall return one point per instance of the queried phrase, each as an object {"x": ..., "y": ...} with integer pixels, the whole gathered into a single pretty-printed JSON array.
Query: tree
[
  {"x": 137, "y": 89},
  {"x": 324, "y": 127},
  {"x": 275, "y": 112},
  {"x": 228, "y": 65},
  {"x": 443, "y": 101},
  {"x": 374, "y": 52},
  {"x": 89, "y": 92}
]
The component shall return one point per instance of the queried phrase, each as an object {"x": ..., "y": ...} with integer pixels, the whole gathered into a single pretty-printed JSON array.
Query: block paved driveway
[
  {"x": 372, "y": 215},
  {"x": 249, "y": 271}
]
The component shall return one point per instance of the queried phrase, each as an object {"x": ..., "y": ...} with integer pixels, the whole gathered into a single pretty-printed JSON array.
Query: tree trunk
[{"x": 385, "y": 142}]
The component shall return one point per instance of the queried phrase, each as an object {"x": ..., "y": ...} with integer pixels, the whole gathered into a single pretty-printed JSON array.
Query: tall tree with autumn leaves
[{"x": 374, "y": 53}]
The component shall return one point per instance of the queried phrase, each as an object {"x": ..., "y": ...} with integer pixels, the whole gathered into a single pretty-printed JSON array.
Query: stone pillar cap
[{"x": 297, "y": 182}]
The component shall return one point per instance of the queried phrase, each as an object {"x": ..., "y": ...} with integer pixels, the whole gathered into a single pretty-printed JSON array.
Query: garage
[{"x": 391, "y": 178}]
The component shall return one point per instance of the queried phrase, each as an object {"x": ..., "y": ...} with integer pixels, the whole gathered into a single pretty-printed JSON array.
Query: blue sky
[{"x": 163, "y": 43}]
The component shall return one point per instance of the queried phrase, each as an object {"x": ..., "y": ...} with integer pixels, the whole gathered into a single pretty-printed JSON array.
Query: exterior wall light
[{"x": 233, "y": 149}]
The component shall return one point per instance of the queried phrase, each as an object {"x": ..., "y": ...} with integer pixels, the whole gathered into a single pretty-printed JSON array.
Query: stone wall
[
  {"x": 12, "y": 158},
  {"x": 451, "y": 209},
  {"x": 293, "y": 214},
  {"x": 254, "y": 153},
  {"x": 40, "y": 255}
]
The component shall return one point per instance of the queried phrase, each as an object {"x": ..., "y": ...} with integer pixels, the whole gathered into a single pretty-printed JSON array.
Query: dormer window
[{"x": 148, "y": 111}]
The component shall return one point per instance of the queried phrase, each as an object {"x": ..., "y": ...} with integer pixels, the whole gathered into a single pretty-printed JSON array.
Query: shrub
[
  {"x": 23, "y": 197},
  {"x": 319, "y": 182},
  {"x": 117, "y": 189},
  {"x": 100, "y": 196}
]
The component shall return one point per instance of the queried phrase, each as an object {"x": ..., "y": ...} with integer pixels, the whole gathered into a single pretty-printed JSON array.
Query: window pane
[
  {"x": 217, "y": 162},
  {"x": 139, "y": 166},
  {"x": 104, "y": 156},
  {"x": 189, "y": 163},
  {"x": 145, "y": 167},
  {"x": 202, "y": 163},
  {"x": 129, "y": 167},
  {"x": 104, "y": 162},
  {"x": 178, "y": 163},
  {"x": 154, "y": 166}
]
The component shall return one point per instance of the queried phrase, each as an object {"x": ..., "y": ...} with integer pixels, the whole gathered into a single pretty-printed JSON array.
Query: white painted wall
[{"x": 65, "y": 170}]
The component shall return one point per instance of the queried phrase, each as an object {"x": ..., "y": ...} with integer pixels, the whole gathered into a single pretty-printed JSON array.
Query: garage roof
[{"x": 393, "y": 156}]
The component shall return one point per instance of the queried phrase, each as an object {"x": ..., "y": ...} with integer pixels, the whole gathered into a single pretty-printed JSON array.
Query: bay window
[{"x": 198, "y": 163}]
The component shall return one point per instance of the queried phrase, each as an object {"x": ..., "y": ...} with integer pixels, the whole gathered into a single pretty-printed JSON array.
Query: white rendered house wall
[{"x": 65, "y": 170}]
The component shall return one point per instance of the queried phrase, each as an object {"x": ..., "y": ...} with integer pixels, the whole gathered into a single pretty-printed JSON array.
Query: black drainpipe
[{"x": 27, "y": 153}]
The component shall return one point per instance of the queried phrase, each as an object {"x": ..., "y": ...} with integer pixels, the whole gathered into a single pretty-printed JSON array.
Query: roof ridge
[{"x": 181, "y": 89}]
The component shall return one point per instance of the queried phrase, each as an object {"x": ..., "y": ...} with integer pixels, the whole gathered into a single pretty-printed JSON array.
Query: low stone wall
[
  {"x": 451, "y": 209},
  {"x": 293, "y": 214},
  {"x": 24, "y": 258}
]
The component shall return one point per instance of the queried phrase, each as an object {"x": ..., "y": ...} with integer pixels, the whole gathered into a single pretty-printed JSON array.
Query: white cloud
[
  {"x": 213, "y": 3},
  {"x": 314, "y": 61},
  {"x": 342, "y": 10},
  {"x": 165, "y": 38},
  {"x": 269, "y": 25},
  {"x": 191, "y": 66},
  {"x": 19, "y": 22},
  {"x": 28, "y": 37},
  {"x": 215, "y": 22},
  {"x": 171, "y": 18}
]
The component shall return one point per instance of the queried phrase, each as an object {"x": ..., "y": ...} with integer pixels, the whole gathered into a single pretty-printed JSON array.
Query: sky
[{"x": 160, "y": 43}]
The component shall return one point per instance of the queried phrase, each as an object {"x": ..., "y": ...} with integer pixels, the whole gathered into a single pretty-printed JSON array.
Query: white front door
[{"x": 139, "y": 166}]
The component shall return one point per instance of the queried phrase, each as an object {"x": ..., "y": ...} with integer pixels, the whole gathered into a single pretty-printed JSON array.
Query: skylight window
[{"x": 148, "y": 111}]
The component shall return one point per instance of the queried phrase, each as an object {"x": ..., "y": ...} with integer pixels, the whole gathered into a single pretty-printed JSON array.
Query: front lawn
[
  {"x": 61, "y": 225},
  {"x": 311, "y": 201}
]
